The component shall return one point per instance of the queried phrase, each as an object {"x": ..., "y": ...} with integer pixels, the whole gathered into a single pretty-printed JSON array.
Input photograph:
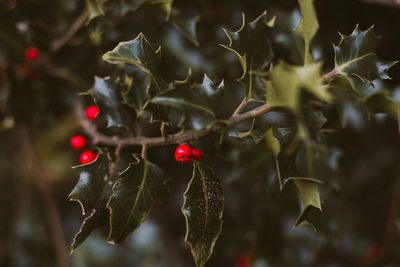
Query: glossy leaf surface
[
  {"x": 134, "y": 193},
  {"x": 203, "y": 208}
]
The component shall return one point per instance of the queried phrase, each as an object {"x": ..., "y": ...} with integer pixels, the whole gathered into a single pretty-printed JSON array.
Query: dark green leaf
[
  {"x": 291, "y": 44},
  {"x": 352, "y": 110},
  {"x": 100, "y": 214},
  {"x": 92, "y": 179},
  {"x": 106, "y": 93},
  {"x": 164, "y": 5},
  {"x": 355, "y": 55},
  {"x": 203, "y": 208},
  {"x": 381, "y": 102},
  {"x": 196, "y": 102},
  {"x": 287, "y": 82},
  {"x": 309, "y": 195},
  {"x": 251, "y": 43},
  {"x": 308, "y": 27},
  {"x": 140, "y": 53},
  {"x": 136, "y": 94},
  {"x": 275, "y": 147},
  {"x": 310, "y": 123},
  {"x": 135, "y": 192},
  {"x": 186, "y": 26}
]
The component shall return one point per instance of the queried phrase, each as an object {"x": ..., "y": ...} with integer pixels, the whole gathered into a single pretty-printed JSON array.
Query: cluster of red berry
[
  {"x": 184, "y": 153},
  {"x": 26, "y": 69},
  {"x": 79, "y": 142}
]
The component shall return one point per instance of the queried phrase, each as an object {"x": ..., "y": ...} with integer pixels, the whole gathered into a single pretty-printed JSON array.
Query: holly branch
[{"x": 181, "y": 137}]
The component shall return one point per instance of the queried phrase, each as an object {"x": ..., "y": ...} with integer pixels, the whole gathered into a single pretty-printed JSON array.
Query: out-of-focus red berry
[
  {"x": 374, "y": 253},
  {"x": 92, "y": 112},
  {"x": 87, "y": 157},
  {"x": 78, "y": 142},
  {"x": 32, "y": 53},
  {"x": 197, "y": 154}
]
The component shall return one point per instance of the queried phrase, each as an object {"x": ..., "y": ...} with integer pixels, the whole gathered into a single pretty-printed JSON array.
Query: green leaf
[
  {"x": 135, "y": 192},
  {"x": 136, "y": 94},
  {"x": 309, "y": 195},
  {"x": 164, "y": 5},
  {"x": 196, "y": 102},
  {"x": 92, "y": 179},
  {"x": 106, "y": 93},
  {"x": 287, "y": 82},
  {"x": 187, "y": 26},
  {"x": 355, "y": 55},
  {"x": 310, "y": 123},
  {"x": 252, "y": 45},
  {"x": 140, "y": 53},
  {"x": 94, "y": 9},
  {"x": 275, "y": 147},
  {"x": 353, "y": 111},
  {"x": 308, "y": 27},
  {"x": 99, "y": 214},
  {"x": 203, "y": 208},
  {"x": 381, "y": 102}
]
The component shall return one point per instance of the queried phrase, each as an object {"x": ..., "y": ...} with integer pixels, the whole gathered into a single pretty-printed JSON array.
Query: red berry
[
  {"x": 32, "y": 53},
  {"x": 243, "y": 260},
  {"x": 197, "y": 154},
  {"x": 78, "y": 142},
  {"x": 374, "y": 253},
  {"x": 183, "y": 153},
  {"x": 92, "y": 112},
  {"x": 87, "y": 157}
]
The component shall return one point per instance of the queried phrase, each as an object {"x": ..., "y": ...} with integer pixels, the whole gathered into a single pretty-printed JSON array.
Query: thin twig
[
  {"x": 179, "y": 138},
  {"x": 240, "y": 107},
  {"x": 144, "y": 151},
  {"x": 163, "y": 131},
  {"x": 75, "y": 26},
  {"x": 330, "y": 74}
]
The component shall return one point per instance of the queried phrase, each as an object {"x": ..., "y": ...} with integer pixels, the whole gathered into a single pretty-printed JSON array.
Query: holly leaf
[
  {"x": 382, "y": 102},
  {"x": 106, "y": 93},
  {"x": 252, "y": 45},
  {"x": 134, "y": 193},
  {"x": 287, "y": 82},
  {"x": 196, "y": 102},
  {"x": 99, "y": 214},
  {"x": 92, "y": 179},
  {"x": 310, "y": 123},
  {"x": 94, "y": 9},
  {"x": 140, "y": 53},
  {"x": 308, "y": 27},
  {"x": 187, "y": 26},
  {"x": 309, "y": 195},
  {"x": 136, "y": 95},
  {"x": 164, "y": 5},
  {"x": 355, "y": 55},
  {"x": 353, "y": 111},
  {"x": 203, "y": 208},
  {"x": 274, "y": 146}
]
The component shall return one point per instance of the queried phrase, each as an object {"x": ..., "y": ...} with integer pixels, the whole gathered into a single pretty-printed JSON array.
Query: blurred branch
[
  {"x": 52, "y": 215},
  {"x": 64, "y": 38}
]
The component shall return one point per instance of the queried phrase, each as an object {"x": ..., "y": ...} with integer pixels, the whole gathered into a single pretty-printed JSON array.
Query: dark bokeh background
[{"x": 360, "y": 223}]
